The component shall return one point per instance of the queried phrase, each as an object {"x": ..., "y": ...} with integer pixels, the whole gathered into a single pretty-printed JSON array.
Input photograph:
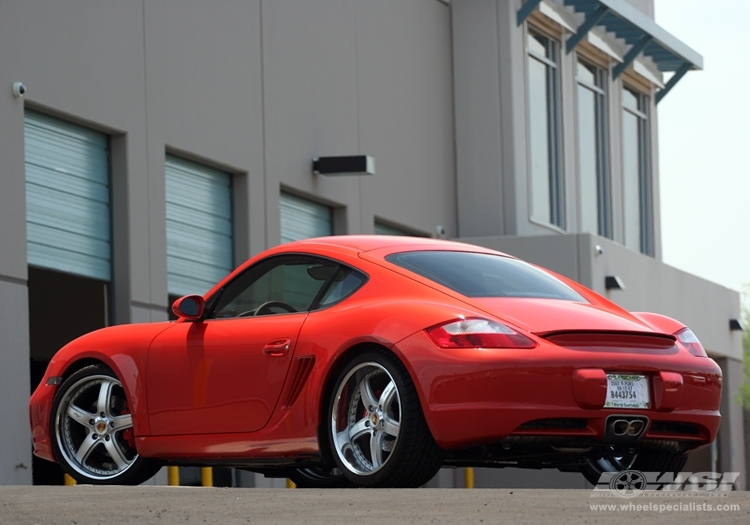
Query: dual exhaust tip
[{"x": 625, "y": 429}]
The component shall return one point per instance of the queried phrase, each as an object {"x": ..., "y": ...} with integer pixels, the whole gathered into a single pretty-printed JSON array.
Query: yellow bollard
[
  {"x": 68, "y": 480},
  {"x": 469, "y": 477},
  {"x": 173, "y": 476},
  {"x": 290, "y": 484},
  {"x": 207, "y": 476}
]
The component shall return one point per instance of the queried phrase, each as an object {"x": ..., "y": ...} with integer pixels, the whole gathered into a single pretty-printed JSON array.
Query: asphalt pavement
[{"x": 84, "y": 505}]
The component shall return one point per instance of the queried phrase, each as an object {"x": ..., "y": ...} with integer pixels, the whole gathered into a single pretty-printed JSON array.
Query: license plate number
[{"x": 627, "y": 391}]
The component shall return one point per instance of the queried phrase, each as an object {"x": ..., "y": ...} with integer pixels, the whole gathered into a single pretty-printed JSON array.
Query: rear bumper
[{"x": 480, "y": 396}]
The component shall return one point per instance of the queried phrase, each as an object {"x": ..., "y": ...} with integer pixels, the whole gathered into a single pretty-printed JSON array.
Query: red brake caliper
[{"x": 127, "y": 434}]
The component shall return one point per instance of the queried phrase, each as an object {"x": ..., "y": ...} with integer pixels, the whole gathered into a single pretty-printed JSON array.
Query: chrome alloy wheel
[
  {"x": 366, "y": 418},
  {"x": 93, "y": 428}
]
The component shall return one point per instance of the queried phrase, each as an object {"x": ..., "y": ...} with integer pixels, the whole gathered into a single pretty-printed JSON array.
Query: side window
[
  {"x": 286, "y": 284},
  {"x": 344, "y": 284}
]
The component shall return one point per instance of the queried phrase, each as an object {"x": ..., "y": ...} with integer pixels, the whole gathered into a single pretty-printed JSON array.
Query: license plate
[{"x": 627, "y": 391}]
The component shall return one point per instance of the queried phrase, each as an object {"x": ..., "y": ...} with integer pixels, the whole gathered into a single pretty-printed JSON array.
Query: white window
[
  {"x": 544, "y": 130},
  {"x": 637, "y": 196},
  {"x": 593, "y": 180}
]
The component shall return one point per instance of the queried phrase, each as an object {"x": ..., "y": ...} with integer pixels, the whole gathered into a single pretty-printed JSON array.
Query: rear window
[{"x": 484, "y": 275}]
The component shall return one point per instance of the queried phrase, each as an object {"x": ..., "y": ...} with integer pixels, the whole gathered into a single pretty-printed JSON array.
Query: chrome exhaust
[{"x": 624, "y": 428}]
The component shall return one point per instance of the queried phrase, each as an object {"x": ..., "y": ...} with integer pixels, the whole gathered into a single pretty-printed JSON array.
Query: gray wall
[
  {"x": 434, "y": 92},
  {"x": 254, "y": 88}
]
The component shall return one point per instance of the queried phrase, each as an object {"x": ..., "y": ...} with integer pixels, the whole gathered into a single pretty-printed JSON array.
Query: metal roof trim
[{"x": 640, "y": 22}]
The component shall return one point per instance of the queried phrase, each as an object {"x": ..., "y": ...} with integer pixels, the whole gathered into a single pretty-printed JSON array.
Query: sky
[{"x": 704, "y": 144}]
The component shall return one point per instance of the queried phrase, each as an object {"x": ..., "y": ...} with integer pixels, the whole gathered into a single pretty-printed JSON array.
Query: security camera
[
  {"x": 19, "y": 89},
  {"x": 439, "y": 232}
]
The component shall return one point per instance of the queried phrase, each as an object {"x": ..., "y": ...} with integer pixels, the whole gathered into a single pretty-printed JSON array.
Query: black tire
[
  {"x": 376, "y": 430},
  {"x": 643, "y": 461},
  {"x": 91, "y": 430},
  {"x": 320, "y": 478}
]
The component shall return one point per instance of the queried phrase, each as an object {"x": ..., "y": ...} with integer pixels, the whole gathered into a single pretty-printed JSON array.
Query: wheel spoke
[
  {"x": 368, "y": 397},
  {"x": 388, "y": 395},
  {"x": 343, "y": 440},
  {"x": 391, "y": 427},
  {"x": 116, "y": 454},
  {"x": 359, "y": 429},
  {"x": 376, "y": 449},
  {"x": 88, "y": 444},
  {"x": 80, "y": 416},
  {"x": 105, "y": 391},
  {"x": 122, "y": 422}
]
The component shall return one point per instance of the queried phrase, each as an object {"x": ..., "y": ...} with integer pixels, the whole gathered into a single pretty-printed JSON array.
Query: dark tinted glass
[
  {"x": 301, "y": 282},
  {"x": 484, "y": 275}
]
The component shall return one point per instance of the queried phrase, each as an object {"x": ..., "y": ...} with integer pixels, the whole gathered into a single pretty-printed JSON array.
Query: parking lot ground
[{"x": 84, "y": 505}]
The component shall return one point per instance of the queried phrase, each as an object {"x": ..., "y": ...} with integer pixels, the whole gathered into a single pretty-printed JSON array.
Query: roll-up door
[
  {"x": 199, "y": 226},
  {"x": 303, "y": 219},
  {"x": 67, "y": 197}
]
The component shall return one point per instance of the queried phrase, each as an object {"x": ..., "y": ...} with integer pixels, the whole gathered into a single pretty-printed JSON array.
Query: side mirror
[{"x": 190, "y": 307}]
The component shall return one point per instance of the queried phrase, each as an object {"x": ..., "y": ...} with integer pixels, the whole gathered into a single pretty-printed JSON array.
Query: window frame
[
  {"x": 553, "y": 131},
  {"x": 604, "y": 186},
  {"x": 275, "y": 261},
  {"x": 645, "y": 176}
]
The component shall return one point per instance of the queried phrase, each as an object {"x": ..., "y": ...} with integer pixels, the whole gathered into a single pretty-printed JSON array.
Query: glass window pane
[
  {"x": 538, "y": 44},
  {"x": 539, "y": 119},
  {"x": 630, "y": 99},
  {"x": 631, "y": 153},
  {"x": 586, "y": 73},
  {"x": 588, "y": 159},
  {"x": 484, "y": 275},
  {"x": 284, "y": 279}
]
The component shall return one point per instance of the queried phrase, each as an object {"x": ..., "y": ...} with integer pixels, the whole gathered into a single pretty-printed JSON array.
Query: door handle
[{"x": 278, "y": 347}]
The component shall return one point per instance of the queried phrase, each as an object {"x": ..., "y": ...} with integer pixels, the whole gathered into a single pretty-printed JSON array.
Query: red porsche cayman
[{"x": 373, "y": 361}]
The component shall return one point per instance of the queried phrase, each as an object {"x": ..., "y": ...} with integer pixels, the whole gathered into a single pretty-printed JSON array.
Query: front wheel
[
  {"x": 377, "y": 431},
  {"x": 320, "y": 478},
  {"x": 92, "y": 430}
]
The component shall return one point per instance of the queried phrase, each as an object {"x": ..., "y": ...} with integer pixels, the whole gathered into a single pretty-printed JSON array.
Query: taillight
[
  {"x": 477, "y": 333},
  {"x": 691, "y": 342}
]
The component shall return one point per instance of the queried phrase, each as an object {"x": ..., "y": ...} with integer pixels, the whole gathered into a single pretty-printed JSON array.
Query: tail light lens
[
  {"x": 477, "y": 333},
  {"x": 691, "y": 342}
]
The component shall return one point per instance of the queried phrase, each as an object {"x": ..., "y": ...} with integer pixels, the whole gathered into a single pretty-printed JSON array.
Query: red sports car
[{"x": 373, "y": 361}]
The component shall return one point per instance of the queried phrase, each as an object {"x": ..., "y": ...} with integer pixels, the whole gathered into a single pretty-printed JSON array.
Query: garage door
[
  {"x": 67, "y": 197},
  {"x": 199, "y": 226},
  {"x": 302, "y": 218}
]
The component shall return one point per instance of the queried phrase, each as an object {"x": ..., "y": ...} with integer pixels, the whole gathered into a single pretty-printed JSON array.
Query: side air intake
[{"x": 297, "y": 379}]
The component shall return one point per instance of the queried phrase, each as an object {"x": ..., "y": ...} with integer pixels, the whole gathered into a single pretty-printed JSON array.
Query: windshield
[{"x": 484, "y": 275}]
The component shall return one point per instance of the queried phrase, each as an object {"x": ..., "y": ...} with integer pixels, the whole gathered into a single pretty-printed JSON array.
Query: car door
[{"x": 225, "y": 373}]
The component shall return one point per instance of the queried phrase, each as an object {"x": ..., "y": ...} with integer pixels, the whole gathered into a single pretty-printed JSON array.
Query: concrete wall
[
  {"x": 255, "y": 88},
  {"x": 435, "y": 92}
]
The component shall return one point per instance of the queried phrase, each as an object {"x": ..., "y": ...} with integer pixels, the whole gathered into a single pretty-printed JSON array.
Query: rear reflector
[{"x": 477, "y": 333}]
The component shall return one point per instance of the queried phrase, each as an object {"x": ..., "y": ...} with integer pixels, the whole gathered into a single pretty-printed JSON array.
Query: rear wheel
[
  {"x": 377, "y": 431},
  {"x": 92, "y": 430},
  {"x": 643, "y": 461}
]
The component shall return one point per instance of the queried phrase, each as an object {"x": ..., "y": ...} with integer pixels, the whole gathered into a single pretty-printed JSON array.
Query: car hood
[{"x": 543, "y": 316}]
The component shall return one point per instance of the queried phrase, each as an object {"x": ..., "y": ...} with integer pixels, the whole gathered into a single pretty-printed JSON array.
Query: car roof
[{"x": 366, "y": 243}]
